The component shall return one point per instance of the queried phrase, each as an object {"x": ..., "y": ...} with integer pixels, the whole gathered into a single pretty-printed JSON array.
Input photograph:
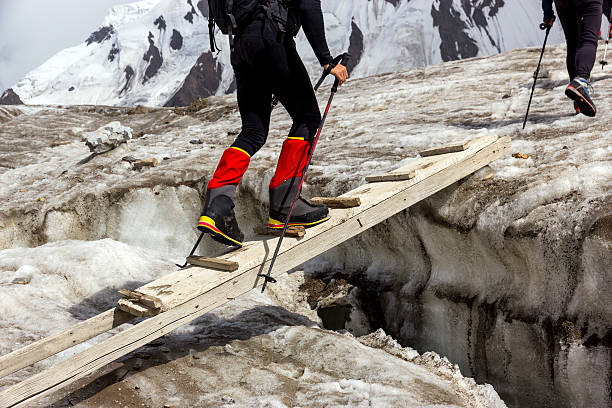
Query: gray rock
[
  {"x": 9, "y": 97},
  {"x": 108, "y": 137}
]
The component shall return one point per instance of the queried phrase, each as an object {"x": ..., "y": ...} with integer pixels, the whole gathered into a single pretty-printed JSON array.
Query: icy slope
[
  {"x": 506, "y": 273},
  {"x": 155, "y": 52}
]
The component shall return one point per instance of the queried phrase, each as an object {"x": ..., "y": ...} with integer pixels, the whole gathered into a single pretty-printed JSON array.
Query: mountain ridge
[{"x": 155, "y": 52}]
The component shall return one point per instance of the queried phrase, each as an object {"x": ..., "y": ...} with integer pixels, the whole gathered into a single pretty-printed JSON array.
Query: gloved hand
[{"x": 548, "y": 22}]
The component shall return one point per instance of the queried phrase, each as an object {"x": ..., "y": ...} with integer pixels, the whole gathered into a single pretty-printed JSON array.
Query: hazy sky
[{"x": 31, "y": 31}]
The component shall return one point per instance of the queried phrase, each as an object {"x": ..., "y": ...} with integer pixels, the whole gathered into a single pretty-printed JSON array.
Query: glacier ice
[{"x": 505, "y": 273}]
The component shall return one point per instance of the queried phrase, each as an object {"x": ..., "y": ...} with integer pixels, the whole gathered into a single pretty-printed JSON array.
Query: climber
[
  {"x": 266, "y": 62},
  {"x": 581, "y": 22}
]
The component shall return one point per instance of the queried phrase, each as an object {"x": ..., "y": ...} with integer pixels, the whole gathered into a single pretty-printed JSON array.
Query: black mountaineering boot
[
  {"x": 578, "y": 90},
  {"x": 304, "y": 213},
  {"x": 218, "y": 217},
  {"x": 284, "y": 188}
]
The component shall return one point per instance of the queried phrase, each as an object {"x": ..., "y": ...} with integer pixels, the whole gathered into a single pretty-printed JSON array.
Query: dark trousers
[
  {"x": 266, "y": 64},
  {"x": 581, "y": 22}
]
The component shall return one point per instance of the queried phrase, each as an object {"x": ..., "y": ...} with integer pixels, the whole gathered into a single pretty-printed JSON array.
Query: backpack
[{"x": 233, "y": 15}]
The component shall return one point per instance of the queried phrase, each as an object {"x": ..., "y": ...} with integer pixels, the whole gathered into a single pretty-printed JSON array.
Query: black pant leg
[
  {"x": 589, "y": 14},
  {"x": 298, "y": 97},
  {"x": 254, "y": 93},
  {"x": 569, "y": 21}
]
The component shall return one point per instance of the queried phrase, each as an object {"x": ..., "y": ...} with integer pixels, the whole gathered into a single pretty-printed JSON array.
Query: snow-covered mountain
[{"x": 156, "y": 52}]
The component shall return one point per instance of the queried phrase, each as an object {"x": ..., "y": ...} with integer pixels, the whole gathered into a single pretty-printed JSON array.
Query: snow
[
  {"x": 61, "y": 283},
  {"x": 124, "y": 14}
]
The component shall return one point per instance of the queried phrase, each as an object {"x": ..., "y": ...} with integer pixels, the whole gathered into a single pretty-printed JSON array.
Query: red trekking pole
[{"x": 267, "y": 277}]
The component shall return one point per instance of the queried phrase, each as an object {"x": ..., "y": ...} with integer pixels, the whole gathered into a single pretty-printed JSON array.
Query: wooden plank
[
  {"x": 62, "y": 340},
  {"x": 423, "y": 165},
  {"x": 190, "y": 294},
  {"x": 394, "y": 176},
  {"x": 146, "y": 300},
  {"x": 295, "y": 231},
  {"x": 139, "y": 164},
  {"x": 137, "y": 309},
  {"x": 453, "y": 148},
  {"x": 213, "y": 263},
  {"x": 337, "y": 202}
]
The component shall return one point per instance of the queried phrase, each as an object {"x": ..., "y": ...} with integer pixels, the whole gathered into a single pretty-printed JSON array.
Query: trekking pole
[
  {"x": 192, "y": 250},
  {"x": 603, "y": 62},
  {"x": 267, "y": 277},
  {"x": 537, "y": 72},
  {"x": 326, "y": 72}
]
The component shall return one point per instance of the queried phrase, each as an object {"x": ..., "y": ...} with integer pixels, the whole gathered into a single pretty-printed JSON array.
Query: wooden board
[
  {"x": 187, "y": 294},
  {"x": 136, "y": 309},
  {"x": 62, "y": 340},
  {"x": 423, "y": 166},
  {"x": 454, "y": 148},
  {"x": 213, "y": 263},
  {"x": 296, "y": 231},
  {"x": 135, "y": 296},
  {"x": 337, "y": 202},
  {"x": 393, "y": 176},
  {"x": 139, "y": 164}
]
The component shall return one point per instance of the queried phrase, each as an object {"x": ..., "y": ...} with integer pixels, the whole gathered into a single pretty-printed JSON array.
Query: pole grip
[{"x": 547, "y": 27}]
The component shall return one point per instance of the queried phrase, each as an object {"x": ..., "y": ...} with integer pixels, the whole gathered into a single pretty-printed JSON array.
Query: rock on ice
[{"x": 108, "y": 137}]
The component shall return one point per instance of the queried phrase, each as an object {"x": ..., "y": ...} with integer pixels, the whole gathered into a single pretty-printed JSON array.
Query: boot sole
[
  {"x": 207, "y": 224},
  {"x": 585, "y": 106},
  {"x": 275, "y": 224}
]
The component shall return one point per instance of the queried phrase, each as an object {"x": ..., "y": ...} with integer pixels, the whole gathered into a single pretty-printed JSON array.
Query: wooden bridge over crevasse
[{"x": 183, "y": 295}]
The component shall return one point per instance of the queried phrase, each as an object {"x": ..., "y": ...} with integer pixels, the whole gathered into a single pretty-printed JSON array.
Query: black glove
[{"x": 548, "y": 22}]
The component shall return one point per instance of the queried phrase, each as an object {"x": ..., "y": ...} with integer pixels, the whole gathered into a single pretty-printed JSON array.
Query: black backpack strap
[
  {"x": 211, "y": 30},
  {"x": 233, "y": 27},
  {"x": 211, "y": 34}
]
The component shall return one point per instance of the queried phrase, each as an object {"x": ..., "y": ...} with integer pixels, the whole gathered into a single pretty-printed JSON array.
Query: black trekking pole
[
  {"x": 192, "y": 251},
  {"x": 603, "y": 62},
  {"x": 537, "y": 72},
  {"x": 268, "y": 277}
]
